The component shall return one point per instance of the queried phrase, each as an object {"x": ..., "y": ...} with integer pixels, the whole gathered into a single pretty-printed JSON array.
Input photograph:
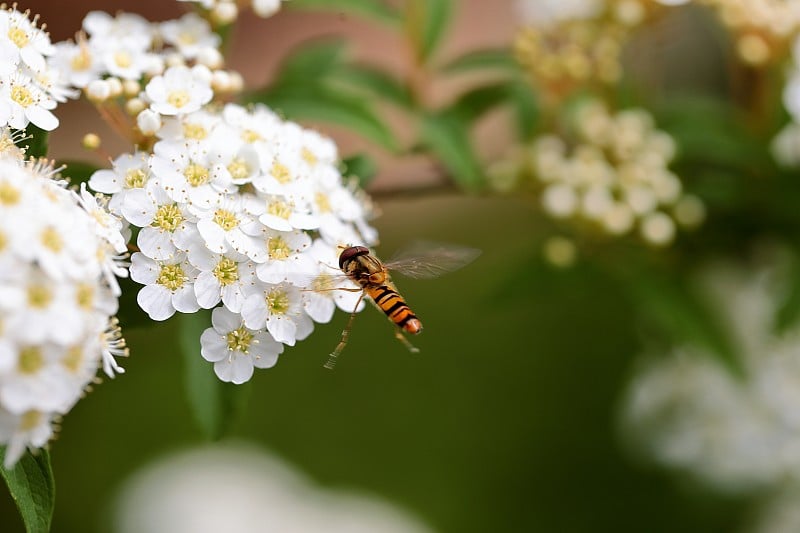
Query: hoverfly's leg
[
  {"x": 345, "y": 334},
  {"x": 402, "y": 338},
  {"x": 348, "y": 289}
]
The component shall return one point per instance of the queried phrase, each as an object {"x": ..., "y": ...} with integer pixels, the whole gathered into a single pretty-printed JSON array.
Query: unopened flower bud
[
  {"x": 91, "y": 141},
  {"x": 220, "y": 81},
  {"x": 210, "y": 57},
  {"x": 224, "y": 13},
  {"x": 148, "y": 121},
  {"x": 131, "y": 87},
  {"x": 134, "y": 106},
  {"x": 114, "y": 86},
  {"x": 98, "y": 91}
]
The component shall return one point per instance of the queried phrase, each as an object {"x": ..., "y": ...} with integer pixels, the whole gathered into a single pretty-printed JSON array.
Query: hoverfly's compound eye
[{"x": 349, "y": 253}]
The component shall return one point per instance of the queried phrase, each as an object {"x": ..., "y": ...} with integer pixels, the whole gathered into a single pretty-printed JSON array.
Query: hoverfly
[{"x": 360, "y": 265}]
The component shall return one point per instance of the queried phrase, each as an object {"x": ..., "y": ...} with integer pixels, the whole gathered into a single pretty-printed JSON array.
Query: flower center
[
  {"x": 171, "y": 277},
  {"x": 123, "y": 59},
  {"x": 281, "y": 173},
  {"x": 239, "y": 168},
  {"x": 178, "y": 98},
  {"x": 239, "y": 340},
  {"x": 323, "y": 202},
  {"x": 31, "y": 360},
  {"x": 18, "y": 36},
  {"x": 278, "y": 249},
  {"x": 51, "y": 239},
  {"x": 323, "y": 282},
  {"x": 280, "y": 209},
  {"x": 194, "y": 131},
  {"x": 39, "y": 297},
  {"x": 186, "y": 37},
  {"x": 84, "y": 296},
  {"x": 226, "y": 271},
  {"x": 21, "y": 95},
  {"x": 278, "y": 302},
  {"x": 225, "y": 219},
  {"x": 29, "y": 420},
  {"x": 73, "y": 358},
  {"x": 82, "y": 60},
  {"x": 308, "y": 156},
  {"x": 135, "y": 178},
  {"x": 168, "y": 217},
  {"x": 250, "y": 136},
  {"x": 196, "y": 175},
  {"x": 9, "y": 195}
]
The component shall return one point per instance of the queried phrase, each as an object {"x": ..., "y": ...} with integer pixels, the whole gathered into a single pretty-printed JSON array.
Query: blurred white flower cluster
[
  {"x": 31, "y": 83},
  {"x": 146, "y": 69},
  {"x": 735, "y": 433},
  {"x": 786, "y": 145},
  {"x": 239, "y": 207},
  {"x": 226, "y": 11},
  {"x": 58, "y": 296},
  {"x": 615, "y": 176}
]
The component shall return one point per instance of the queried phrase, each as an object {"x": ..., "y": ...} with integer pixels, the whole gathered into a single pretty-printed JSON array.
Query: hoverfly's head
[{"x": 351, "y": 253}]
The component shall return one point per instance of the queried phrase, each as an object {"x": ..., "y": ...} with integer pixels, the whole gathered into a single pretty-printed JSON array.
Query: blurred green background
[{"x": 504, "y": 422}]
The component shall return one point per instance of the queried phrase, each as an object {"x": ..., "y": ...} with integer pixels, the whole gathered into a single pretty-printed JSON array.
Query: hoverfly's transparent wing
[{"x": 425, "y": 260}]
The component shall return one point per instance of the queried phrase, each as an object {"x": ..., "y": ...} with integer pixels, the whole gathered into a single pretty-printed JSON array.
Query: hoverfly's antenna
[{"x": 331, "y": 363}]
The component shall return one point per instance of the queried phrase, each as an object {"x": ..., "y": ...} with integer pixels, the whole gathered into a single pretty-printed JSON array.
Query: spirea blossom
[
  {"x": 614, "y": 175},
  {"x": 31, "y": 84},
  {"x": 226, "y": 11},
  {"x": 243, "y": 212},
  {"x": 59, "y": 253},
  {"x": 734, "y": 432}
]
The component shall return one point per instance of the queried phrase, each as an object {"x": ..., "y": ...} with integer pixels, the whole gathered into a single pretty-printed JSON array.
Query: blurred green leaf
[
  {"x": 526, "y": 109},
  {"x": 310, "y": 62},
  {"x": 481, "y": 61},
  {"x": 361, "y": 166},
  {"x": 670, "y": 304},
  {"x": 477, "y": 101},
  {"x": 215, "y": 404},
  {"x": 325, "y": 104},
  {"x": 78, "y": 171},
  {"x": 446, "y": 136},
  {"x": 37, "y": 143},
  {"x": 426, "y": 22},
  {"x": 788, "y": 311},
  {"x": 375, "y": 83},
  {"x": 372, "y": 9},
  {"x": 33, "y": 489}
]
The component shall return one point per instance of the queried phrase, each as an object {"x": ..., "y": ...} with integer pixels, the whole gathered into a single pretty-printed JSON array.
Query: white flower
[
  {"x": 19, "y": 431},
  {"x": 22, "y": 101},
  {"x": 190, "y": 34},
  {"x": 227, "y": 226},
  {"x": 169, "y": 285},
  {"x": 235, "y": 349},
  {"x": 78, "y": 63},
  {"x": 107, "y": 225},
  {"x": 31, "y": 43},
  {"x": 180, "y": 90},
  {"x": 128, "y": 172},
  {"x": 163, "y": 221},
  {"x": 543, "y": 13},
  {"x": 227, "y": 277},
  {"x": 188, "y": 174},
  {"x": 282, "y": 256},
  {"x": 280, "y": 309}
]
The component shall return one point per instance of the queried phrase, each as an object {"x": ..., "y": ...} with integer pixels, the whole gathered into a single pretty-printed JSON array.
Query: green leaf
[
  {"x": 310, "y": 62},
  {"x": 371, "y": 9},
  {"x": 324, "y": 104},
  {"x": 671, "y": 304},
  {"x": 475, "y": 102},
  {"x": 526, "y": 109},
  {"x": 426, "y": 22},
  {"x": 788, "y": 311},
  {"x": 374, "y": 82},
  {"x": 215, "y": 404},
  {"x": 361, "y": 166},
  {"x": 446, "y": 137},
  {"x": 37, "y": 144},
  {"x": 33, "y": 489},
  {"x": 481, "y": 61}
]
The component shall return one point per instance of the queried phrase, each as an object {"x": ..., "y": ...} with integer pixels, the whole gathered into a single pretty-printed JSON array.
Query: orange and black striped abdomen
[{"x": 395, "y": 307}]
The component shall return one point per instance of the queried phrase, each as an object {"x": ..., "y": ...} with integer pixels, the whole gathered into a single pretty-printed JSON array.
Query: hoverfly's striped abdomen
[{"x": 391, "y": 303}]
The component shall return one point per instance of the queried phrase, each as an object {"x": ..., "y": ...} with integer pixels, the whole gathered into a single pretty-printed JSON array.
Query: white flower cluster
[
  {"x": 226, "y": 11},
  {"x": 240, "y": 207},
  {"x": 615, "y": 176},
  {"x": 58, "y": 295},
  {"x": 786, "y": 145},
  {"x": 736, "y": 433},
  {"x": 153, "y": 69},
  {"x": 31, "y": 84}
]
